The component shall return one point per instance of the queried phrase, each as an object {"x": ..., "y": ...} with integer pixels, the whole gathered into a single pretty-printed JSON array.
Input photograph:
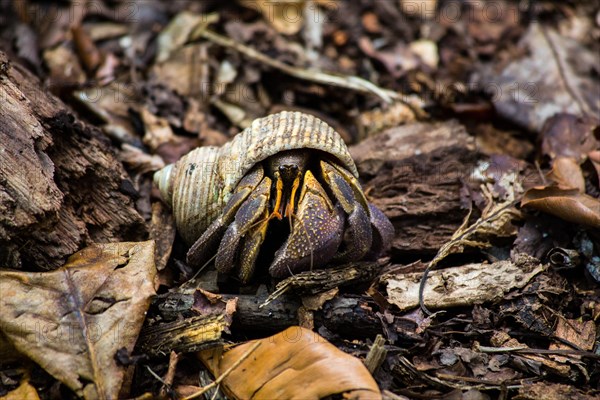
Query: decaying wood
[
  {"x": 377, "y": 354},
  {"x": 61, "y": 185},
  {"x": 351, "y": 315},
  {"x": 317, "y": 281},
  {"x": 462, "y": 286},
  {"x": 414, "y": 174},
  {"x": 186, "y": 335}
]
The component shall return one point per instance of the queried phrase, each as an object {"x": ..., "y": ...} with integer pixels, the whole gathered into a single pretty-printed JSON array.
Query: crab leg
[
  {"x": 203, "y": 249},
  {"x": 316, "y": 233},
  {"x": 383, "y": 232},
  {"x": 251, "y": 248},
  {"x": 247, "y": 215},
  {"x": 358, "y": 233}
]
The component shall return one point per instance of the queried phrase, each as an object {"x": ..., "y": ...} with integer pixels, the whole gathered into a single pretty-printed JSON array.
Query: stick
[{"x": 349, "y": 82}]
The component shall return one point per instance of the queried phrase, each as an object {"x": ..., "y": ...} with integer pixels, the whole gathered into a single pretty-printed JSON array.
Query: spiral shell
[{"x": 198, "y": 185}]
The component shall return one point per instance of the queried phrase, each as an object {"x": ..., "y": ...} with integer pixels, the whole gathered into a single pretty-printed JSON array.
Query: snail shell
[{"x": 198, "y": 186}]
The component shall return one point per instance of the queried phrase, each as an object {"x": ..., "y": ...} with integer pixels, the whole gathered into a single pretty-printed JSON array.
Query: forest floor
[{"x": 474, "y": 127}]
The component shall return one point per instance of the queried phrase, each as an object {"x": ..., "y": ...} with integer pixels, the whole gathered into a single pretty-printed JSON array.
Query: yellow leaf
[
  {"x": 24, "y": 392},
  {"x": 294, "y": 364}
]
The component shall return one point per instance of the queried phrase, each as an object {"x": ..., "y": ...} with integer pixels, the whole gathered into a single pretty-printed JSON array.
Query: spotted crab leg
[
  {"x": 206, "y": 246},
  {"x": 358, "y": 235},
  {"x": 316, "y": 233},
  {"x": 251, "y": 248},
  {"x": 383, "y": 233},
  {"x": 246, "y": 218}
]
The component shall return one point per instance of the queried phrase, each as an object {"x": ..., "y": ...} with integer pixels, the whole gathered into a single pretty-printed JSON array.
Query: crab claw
[
  {"x": 316, "y": 232},
  {"x": 383, "y": 233}
]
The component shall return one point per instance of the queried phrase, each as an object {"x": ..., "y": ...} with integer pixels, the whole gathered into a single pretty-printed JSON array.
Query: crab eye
[{"x": 288, "y": 167}]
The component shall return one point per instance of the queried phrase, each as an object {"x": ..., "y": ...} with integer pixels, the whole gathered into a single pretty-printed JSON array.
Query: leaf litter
[{"x": 476, "y": 135}]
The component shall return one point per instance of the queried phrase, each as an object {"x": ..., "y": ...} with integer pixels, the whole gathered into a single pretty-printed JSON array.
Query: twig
[
  {"x": 224, "y": 374},
  {"x": 166, "y": 386},
  {"x": 463, "y": 239},
  {"x": 170, "y": 376},
  {"x": 327, "y": 78},
  {"x": 489, "y": 384},
  {"x": 582, "y": 105},
  {"x": 527, "y": 350}
]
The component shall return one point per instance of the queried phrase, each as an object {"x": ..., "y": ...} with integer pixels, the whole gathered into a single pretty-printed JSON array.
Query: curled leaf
[
  {"x": 567, "y": 173},
  {"x": 568, "y": 204},
  {"x": 294, "y": 364},
  {"x": 72, "y": 321}
]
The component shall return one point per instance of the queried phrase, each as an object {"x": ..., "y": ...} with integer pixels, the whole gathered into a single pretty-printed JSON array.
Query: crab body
[{"x": 288, "y": 168}]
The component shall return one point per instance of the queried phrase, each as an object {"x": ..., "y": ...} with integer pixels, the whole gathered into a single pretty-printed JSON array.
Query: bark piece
[
  {"x": 61, "y": 185},
  {"x": 462, "y": 286},
  {"x": 414, "y": 174}
]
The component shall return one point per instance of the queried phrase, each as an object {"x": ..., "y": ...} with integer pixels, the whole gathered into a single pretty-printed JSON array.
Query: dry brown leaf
[
  {"x": 568, "y": 135},
  {"x": 550, "y": 391},
  {"x": 567, "y": 204},
  {"x": 175, "y": 34},
  {"x": 293, "y": 364},
  {"x": 567, "y": 173},
  {"x": 286, "y": 16},
  {"x": 503, "y": 339},
  {"x": 24, "y": 392},
  {"x": 158, "y": 130},
  {"x": 89, "y": 55},
  {"x": 72, "y": 321},
  {"x": 531, "y": 89}
]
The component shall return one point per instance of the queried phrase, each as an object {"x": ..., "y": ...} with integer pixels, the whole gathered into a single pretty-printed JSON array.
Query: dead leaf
[
  {"x": 286, "y": 17},
  {"x": 64, "y": 66},
  {"x": 293, "y": 364},
  {"x": 315, "y": 302},
  {"x": 567, "y": 204},
  {"x": 568, "y": 135},
  {"x": 24, "y": 392},
  {"x": 89, "y": 55},
  {"x": 550, "y": 391},
  {"x": 534, "y": 361},
  {"x": 176, "y": 33},
  {"x": 207, "y": 303},
  {"x": 580, "y": 333},
  {"x": 158, "y": 130},
  {"x": 555, "y": 76},
  {"x": 567, "y": 173},
  {"x": 398, "y": 60},
  {"x": 72, "y": 321},
  {"x": 138, "y": 160}
]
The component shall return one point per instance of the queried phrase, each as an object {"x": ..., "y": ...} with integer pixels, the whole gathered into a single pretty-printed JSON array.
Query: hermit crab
[{"x": 284, "y": 190}]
